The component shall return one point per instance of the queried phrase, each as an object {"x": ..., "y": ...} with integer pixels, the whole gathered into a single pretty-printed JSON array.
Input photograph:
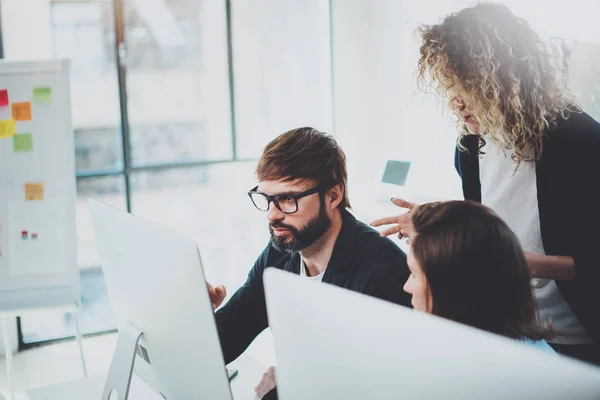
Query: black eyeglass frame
[{"x": 272, "y": 198}]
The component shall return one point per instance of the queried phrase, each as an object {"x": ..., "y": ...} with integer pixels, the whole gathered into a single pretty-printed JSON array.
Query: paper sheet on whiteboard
[{"x": 36, "y": 239}]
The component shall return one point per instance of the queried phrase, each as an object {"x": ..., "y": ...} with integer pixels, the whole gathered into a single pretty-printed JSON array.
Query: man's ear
[{"x": 334, "y": 196}]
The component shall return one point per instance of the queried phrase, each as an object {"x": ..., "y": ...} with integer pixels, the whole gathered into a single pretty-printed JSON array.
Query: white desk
[{"x": 242, "y": 386}]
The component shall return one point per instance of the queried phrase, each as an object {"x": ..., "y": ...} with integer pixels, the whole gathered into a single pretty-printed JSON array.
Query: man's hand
[
  {"x": 266, "y": 384},
  {"x": 217, "y": 295},
  {"x": 400, "y": 224}
]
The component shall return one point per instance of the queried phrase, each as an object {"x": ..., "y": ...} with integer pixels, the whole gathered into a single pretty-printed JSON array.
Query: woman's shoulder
[
  {"x": 576, "y": 126},
  {"x": 574, "y": 137}
]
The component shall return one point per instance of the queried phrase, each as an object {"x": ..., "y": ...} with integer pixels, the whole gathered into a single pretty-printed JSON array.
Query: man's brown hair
[{"x": 307, "y": 154}]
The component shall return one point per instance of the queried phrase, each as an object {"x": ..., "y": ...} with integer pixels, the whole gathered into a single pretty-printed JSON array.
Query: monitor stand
[{"x": 121, "y": 367}]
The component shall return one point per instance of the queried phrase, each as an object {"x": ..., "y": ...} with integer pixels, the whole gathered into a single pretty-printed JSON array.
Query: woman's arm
[{"x": 551, "y": 267}]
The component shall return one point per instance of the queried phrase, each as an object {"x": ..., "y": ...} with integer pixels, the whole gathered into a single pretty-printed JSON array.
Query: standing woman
[{"x": 527, "y": 152}]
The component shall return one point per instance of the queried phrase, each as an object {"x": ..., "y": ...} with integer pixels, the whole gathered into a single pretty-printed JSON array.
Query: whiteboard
[{"x": 38, "y": 246}]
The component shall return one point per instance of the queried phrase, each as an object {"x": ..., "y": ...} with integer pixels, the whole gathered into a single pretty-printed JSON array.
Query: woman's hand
[
  {"x": 400, "y": 224},
  {"x": 551, "y": 267}
]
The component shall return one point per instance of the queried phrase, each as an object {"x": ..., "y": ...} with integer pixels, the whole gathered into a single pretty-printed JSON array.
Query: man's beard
[{"x": 303, "y": 238}]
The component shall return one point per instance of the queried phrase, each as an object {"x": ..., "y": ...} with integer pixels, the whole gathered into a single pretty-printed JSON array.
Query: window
[
  {"x": 583, "y": 63},
  {"x": 158, "y": 132},
  {"x": 178, "y": 101},
  {"x": 84, "y": 33},
  {"x": 282, "y": 69}
]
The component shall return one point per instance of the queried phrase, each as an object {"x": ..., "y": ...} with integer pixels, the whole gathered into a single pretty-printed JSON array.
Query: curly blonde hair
[{"x": 492, "y": 60}]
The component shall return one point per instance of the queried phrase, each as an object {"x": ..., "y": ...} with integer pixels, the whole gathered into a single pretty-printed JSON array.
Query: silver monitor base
[{"x": 121, "y": 367}]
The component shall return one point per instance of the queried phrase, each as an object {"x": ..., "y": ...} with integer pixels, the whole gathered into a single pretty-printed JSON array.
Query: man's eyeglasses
[{"x": 287, "y": 203}]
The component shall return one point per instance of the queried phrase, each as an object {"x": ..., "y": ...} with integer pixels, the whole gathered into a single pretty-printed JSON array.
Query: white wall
[
  {"x": 353, "y": 113},
  {"x": 378, "y": 114},
  {"x": 26, "y": 29}
]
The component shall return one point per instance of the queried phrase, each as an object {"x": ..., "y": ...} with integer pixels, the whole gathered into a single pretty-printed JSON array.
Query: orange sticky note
[
  {"x": 34, "y": 191},
  {"x": 21, "y": 111},
  {"x": 7, "y": 128}
]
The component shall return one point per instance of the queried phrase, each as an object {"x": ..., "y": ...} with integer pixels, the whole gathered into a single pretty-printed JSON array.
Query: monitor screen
[{"x": 396, "y": 172}]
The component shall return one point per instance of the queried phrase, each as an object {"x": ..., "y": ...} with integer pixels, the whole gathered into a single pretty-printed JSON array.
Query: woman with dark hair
[
  {"x": 527, "y": 152},
  {"x": 468, "y": 266}
]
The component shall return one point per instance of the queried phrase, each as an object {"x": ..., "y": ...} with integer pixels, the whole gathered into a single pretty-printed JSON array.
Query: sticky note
[
  {"x": 21, "y": 111},
  {"x": 3, "y": 98},
  {"x": 34, "y": 191},
  {"x": 42, "y": 94},
  {"x": 22, "y": 142},
  {"x": 7, "y": 128}
]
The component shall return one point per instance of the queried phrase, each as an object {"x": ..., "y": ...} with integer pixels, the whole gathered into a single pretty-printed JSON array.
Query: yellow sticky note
[
  {"x": 34, "y": 191},
  {"x": 7, "y": 128},
  {"x": 21, "y": 111}
]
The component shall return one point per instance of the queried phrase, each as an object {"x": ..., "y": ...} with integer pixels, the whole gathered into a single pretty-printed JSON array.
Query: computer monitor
[
  {"x": 393, "y": 178},
  {"x": 395, "y": 172},
  {"x": 155, "y": 282},
  {"x": 333, "y": 343}
]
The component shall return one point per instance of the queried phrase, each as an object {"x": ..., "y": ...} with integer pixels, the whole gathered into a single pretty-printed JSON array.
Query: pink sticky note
[{"x": 3, "y": 98}]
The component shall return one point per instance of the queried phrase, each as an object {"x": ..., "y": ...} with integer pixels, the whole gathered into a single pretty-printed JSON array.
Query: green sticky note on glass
[
  {"x": 22, "y": 142},
  {"x": 42, "y": 94}
]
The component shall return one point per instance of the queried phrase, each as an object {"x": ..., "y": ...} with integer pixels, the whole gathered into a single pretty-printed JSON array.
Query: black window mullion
[
  {"x": 1, "y": 39},
  {"x": 230, "y": 76},
  {"x": 120, "y": 57}
]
